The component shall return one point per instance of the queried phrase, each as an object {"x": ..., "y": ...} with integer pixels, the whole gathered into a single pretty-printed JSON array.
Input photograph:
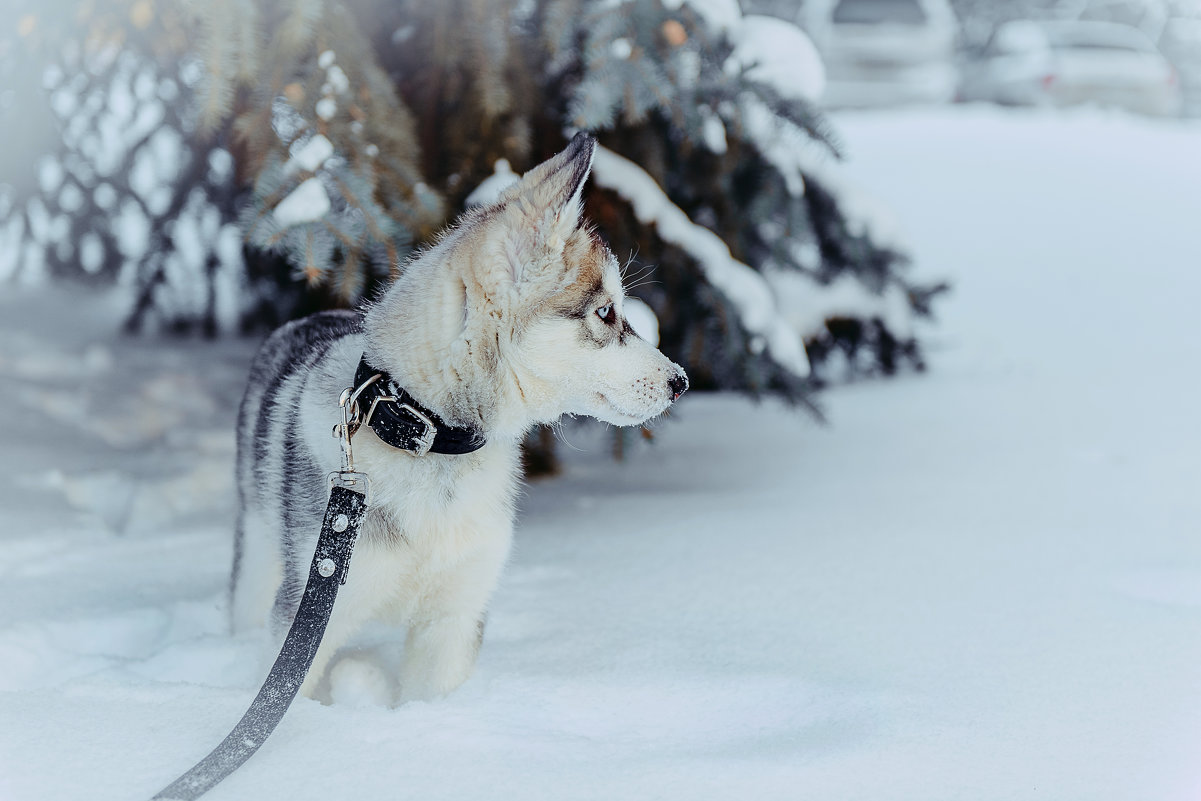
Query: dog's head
[{"x": 516, "y": 315}]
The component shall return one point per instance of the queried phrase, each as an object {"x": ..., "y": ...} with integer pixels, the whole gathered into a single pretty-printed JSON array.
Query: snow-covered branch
[{"x": 745, "y": 288}]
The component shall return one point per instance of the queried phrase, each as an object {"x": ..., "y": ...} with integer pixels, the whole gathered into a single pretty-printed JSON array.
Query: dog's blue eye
[{"x": 605, "y": 312}]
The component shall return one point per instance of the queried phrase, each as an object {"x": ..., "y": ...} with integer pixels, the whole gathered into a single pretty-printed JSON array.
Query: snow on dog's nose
[{"x": 678, "y": 385}]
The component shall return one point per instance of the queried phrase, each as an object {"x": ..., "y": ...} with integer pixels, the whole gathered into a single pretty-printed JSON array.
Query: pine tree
[{"x": 358, "y": 129}]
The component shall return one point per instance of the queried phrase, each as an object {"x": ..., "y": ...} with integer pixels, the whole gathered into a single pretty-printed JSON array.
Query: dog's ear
[
  {"x": 557, "y": 183},
  {"x": 547, "y": 202}
]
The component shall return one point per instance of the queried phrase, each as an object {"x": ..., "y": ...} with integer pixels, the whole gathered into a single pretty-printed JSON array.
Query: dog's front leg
[
  {"x": 439, "y": 656},
  {"x": 354, "y": 607},
  {"x": 446, "y": 623}
]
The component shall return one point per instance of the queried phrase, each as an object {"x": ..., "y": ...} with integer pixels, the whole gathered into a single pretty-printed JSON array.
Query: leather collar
[{"x": 399, "y": 420}]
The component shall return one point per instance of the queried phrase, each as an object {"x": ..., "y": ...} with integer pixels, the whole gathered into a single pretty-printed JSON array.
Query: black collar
[{"x": 399, "y": 420}]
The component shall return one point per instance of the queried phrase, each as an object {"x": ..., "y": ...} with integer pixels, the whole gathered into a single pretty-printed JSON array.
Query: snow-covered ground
[{"x": 979, "y": 583}]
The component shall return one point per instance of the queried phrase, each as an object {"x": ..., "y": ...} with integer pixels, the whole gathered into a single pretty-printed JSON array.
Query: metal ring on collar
[{"x": 353, "y": 401}]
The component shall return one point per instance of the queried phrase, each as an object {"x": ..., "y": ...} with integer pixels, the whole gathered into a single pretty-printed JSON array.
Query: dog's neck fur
[{"x": 438, "y": 331}]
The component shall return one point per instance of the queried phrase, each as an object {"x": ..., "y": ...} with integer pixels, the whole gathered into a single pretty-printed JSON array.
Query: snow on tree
[
  {"x": 338, "y": 136},
  {"x": 125, "y": 192}
]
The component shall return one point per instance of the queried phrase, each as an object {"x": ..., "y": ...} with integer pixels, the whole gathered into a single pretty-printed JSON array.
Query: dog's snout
[{"x": 678, "y": 384}]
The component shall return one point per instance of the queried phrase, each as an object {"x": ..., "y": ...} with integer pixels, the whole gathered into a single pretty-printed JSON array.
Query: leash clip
[
  {"x": 348, "y": 401},
  {"x": 348, "y": 477},
  {"x": 345, "y": 430}
]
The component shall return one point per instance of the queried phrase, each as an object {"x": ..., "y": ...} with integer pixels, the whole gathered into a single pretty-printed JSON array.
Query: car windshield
[
  {"x": 1107, "y": 38},
  {"x": 875, "y": 12}
]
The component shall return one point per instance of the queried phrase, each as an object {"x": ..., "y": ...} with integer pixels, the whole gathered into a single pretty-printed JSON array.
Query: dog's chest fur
[{"x": 431, "y": 515}]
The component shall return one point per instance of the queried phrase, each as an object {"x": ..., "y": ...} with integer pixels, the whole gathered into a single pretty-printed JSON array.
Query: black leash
[
  {"x": 327, "y": 572},
  {"x": 398, "y": 420}
]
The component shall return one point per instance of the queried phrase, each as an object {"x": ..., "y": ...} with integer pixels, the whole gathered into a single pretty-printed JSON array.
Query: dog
[{"x": 513, "y": 318}]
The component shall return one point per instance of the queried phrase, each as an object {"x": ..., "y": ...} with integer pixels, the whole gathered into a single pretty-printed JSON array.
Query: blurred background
[
  {"x": 151, "y": 144},
  {"x": 228, "y": 166},
  {"x": 926, "y": 526}
]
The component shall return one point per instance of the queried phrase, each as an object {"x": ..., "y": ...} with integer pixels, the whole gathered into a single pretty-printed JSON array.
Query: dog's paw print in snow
[
  {"x": 185, "y": 642},
  {"x": 32, "y": 358},
  {"x": 700, "y": 713},
  {"x": 127, "y": 504},
  {"x": 105, "y": 494}
]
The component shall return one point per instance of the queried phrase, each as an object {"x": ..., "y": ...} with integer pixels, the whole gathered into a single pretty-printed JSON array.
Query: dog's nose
[{"x": 678, "y": 384}]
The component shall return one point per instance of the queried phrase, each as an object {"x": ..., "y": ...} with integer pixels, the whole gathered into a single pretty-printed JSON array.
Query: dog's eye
[{"x": 606, "y": 313}]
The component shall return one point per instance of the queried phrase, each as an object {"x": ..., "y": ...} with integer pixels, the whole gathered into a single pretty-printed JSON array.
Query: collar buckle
[
  {"x": 421, "y": 442},
  {"x": 403, "y": 422},
  {"x": 425, "y": 440}
]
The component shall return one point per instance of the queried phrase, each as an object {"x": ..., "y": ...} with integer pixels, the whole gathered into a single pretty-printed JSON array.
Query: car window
[
  {"x": 1107, "y": 38},
  {"x": 874, "y": 12}
]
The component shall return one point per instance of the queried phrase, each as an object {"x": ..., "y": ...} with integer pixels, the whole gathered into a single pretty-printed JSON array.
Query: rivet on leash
[
  {"x": 341, "y": 522},
  {"x": 326, "y": 567}
]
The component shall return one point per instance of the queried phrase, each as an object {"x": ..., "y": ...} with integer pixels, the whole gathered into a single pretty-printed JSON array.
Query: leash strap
[
  {"x": 343, "y": 516},
  {"x": 399, "y": 420}
]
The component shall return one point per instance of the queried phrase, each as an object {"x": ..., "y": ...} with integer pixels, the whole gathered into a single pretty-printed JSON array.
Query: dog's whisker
[
  {"x": 631, "y": 261},
  {"x": 640, "y": 284},
  {"x": 558, "y": 429},
  {"x": 640, "y": 272}
]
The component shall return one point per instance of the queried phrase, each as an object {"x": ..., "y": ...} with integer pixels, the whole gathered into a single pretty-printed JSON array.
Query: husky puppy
[{"x": 513, "y": 318}]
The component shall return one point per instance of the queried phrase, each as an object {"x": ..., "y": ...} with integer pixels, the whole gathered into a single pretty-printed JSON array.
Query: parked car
[
  {"x": 1069, "y": 63},
  {"x": 1181, "y": 45},
  {"x": 884, "y": 52}
]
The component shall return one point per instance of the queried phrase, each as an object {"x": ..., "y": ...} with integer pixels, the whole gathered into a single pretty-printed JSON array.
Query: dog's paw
[{"x": 359, "y": 680}]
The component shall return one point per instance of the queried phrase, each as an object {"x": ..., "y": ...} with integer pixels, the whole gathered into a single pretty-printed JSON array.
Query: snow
[
  {"x": 104, "y": 195},
  {"x": 979, "y": 583},
  {"x": 131, "y": 229},
  {"x": 39, "y": 220},
  {"x": 156, "y": 167},
  {"x": 221, "y": 165},
  {"x": 326, "y": 108},
  {"x": 91, "y": 252},
  {"x": 50, "y": 174},
  {"x": 336, "y": 80},
  {"x": 312, "y": 154},
  {"x": 229, "y": 286},
  {"x": 778, "y": 53},
  {"x": 145, "y": 85},
  {"x": 12, "y": 231},
  {"x": 795, "y": 155},
  {"x": 807, "y": 306},
  {"x": 771, "y": 50},
  {"x": 713, "y": 131},
  {"x": 305, "y": 203},
  {"x": 642, "y": 319},
  {"x": 492, "y": 187},
  {"x": 721, "y": 15},
  {"x": 70, "y": 199},
  {"x": 746, "y": 289}
]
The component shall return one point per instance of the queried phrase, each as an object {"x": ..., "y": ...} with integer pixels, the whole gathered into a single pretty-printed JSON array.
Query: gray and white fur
[{"x": 512, "y": 319}]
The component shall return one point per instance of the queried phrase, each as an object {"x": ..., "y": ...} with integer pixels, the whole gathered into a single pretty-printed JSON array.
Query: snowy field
[{"x": 979, "y": 583}]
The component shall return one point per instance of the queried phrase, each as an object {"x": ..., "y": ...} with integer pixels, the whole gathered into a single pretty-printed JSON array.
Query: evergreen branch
[{"x": 801, "y": 113}]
